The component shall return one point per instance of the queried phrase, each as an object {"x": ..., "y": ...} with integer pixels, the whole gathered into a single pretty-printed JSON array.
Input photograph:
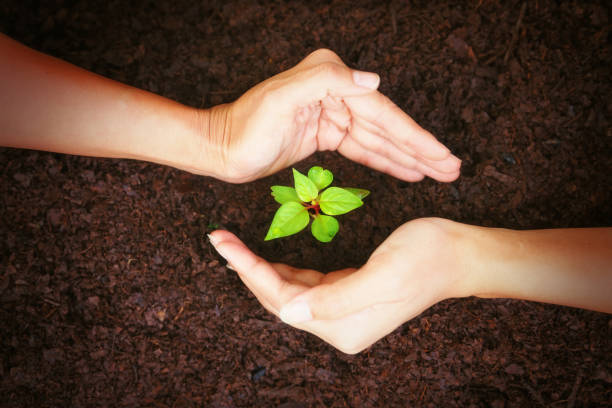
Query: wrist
[
  {"x": 500, "y": 264},
  {"x": 200, "y": 146},
  {"x": 190, "y": 148},
  {"x": 447, "y": 250},
  {"x": 155, "y": 129},
  {"x": 467, "y": 265},
  {"x": 464, "y": 277},
  {"x": 211, "y": 129}
]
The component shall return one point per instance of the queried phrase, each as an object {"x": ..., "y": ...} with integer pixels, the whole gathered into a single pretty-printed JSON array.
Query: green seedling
[{"x": 312, "y": 198}]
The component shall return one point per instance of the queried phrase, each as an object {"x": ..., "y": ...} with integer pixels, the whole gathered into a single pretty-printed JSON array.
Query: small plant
[{"x": 311, "y": 197}]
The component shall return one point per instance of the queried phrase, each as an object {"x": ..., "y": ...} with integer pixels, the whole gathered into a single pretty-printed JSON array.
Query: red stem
[{"x": 314, "y": 207}]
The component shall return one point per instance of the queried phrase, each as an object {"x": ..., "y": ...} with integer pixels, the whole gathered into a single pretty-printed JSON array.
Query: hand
[
  {"x": 321, "y": 104},
  {"x": 416, "y": 267}
]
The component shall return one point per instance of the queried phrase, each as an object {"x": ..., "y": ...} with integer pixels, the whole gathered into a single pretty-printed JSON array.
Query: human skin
[
  {"x": 320, "y": 104},
  {"x": 422, "y": 263}
]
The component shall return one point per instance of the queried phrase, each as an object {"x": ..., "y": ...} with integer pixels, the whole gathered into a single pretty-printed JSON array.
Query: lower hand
[
  {"x": 416, "y": 267},
  {"x": 321, "y": 104}
]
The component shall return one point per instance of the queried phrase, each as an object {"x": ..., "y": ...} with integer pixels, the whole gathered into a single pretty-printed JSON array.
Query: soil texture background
[{"x": 110, "y": 294}]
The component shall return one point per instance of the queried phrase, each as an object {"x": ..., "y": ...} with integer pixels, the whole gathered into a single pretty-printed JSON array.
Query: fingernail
[
  {"x": 368, "y": 80},
  {"x": 214, "y": 243},
  {"x": 294, "y": 313},
  {"x": 230, "y": 267}
]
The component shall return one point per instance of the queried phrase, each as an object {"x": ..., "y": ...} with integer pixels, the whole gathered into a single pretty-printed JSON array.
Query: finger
[
  {"x": 329, "y": 135},
  {"x": 451, "y": 164},
  {"x": 334, "y": 122},
  {"x": 369, "y": 127},
  {"x": 334, "y": 110},
  {"x": 306, "y": 277},
  {"x": 260, "y": 297},
  {"x": 376, "y": 139},
  {"x": 240, "y": 259},
  {"x": 259, "y": 275},
  {"x": 380, "y": 110},
  {"x": 351, "y": 149},
  {"x": 441, "y": 170},
  {"x": 335, "y": 276},
  {"x": 310, "y": 85},
  {"x": 372, "y": 138},
  {"x": 438, "y": 175},
  {"x": 401, "y": 155},
  {"x": 355, "y": 332},
  {"x": 348, "y": 295},
  {"x": 319, "y": 56}
]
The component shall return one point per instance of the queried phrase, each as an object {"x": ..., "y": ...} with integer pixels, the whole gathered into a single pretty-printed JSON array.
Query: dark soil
[{"x": 110, "y": 294}]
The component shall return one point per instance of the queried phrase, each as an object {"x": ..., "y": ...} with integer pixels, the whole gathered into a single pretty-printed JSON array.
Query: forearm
[
  {"x": 570, "y": 267},
  {"x": 48, "y": 104}
]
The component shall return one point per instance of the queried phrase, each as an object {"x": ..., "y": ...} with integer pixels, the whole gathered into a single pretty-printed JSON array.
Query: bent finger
[
  {"x": 308, "y": 277},
  {"x": 259, "y": 275},
  {"x": 342, "y": 297},
  {"x": 380, "y": 110},
  {"x": 311, "y": 85},
  {"x": 351, "y": 149}
]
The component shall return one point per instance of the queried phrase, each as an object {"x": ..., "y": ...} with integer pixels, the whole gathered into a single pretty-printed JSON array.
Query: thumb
[
  {"x": 314, "y": 83},
  {"x": 329, "y": 301}
]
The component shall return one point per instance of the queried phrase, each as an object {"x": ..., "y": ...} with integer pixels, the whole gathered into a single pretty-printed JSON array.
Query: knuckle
[
  {"x": 268, "y": 91},
  {"x": 432, "y": 229},
  {"x": 331, "y": 69},
  {"x": 323, "y": 54},
  {"x": 413, "y": 176},
  {"x": 269, "y": 100},
  {"x": 350, "y": 346},
  {"x": 285, "y": 287},
  {"x": 368, "y": 160},
  {"x": 257, "y": 264}
]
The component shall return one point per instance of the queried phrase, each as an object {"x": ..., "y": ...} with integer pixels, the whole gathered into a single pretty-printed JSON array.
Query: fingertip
[
  {"x": 453, "y": 177},
  {"x": 446, "y": 177},
  {"x": 238, "y": 255},
  {"x": 430, "y": 147},
  {"x": 217, "y": 236},
  {"x": 365, "y": 79},
  {"x": 449, "y": 165},
  {"x": 228, "y": 246},
  {"x": 456, "y": 161},
  {"x": 411, "y": 176},
  {"x": 438, "y": 152},
  {"x": 449, "y": 169},
  {"x": 295, "y": 312}
]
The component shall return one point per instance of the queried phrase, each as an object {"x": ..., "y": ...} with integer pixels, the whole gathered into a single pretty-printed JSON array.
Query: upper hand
[
  {"x": 416, "y": 267},
  {"x": 320, "y": 105}
]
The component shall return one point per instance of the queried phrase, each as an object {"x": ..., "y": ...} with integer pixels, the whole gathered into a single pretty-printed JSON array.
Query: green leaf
[
  {"x": 289, "y": 219},
  {"x": 324, "y": 227},
  {"x": 322, "y": 178},
  {"x": 305, "y": 187},
  {"x": 284, "y": 194},
  {"x": 359, "y": 192},
  {"x": 336, "y": 201}
]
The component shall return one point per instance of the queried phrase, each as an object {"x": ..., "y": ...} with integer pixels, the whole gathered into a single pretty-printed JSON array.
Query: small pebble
[
  {"x": 509, "y": 158},
  {"x": 258, "y": 373}
]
